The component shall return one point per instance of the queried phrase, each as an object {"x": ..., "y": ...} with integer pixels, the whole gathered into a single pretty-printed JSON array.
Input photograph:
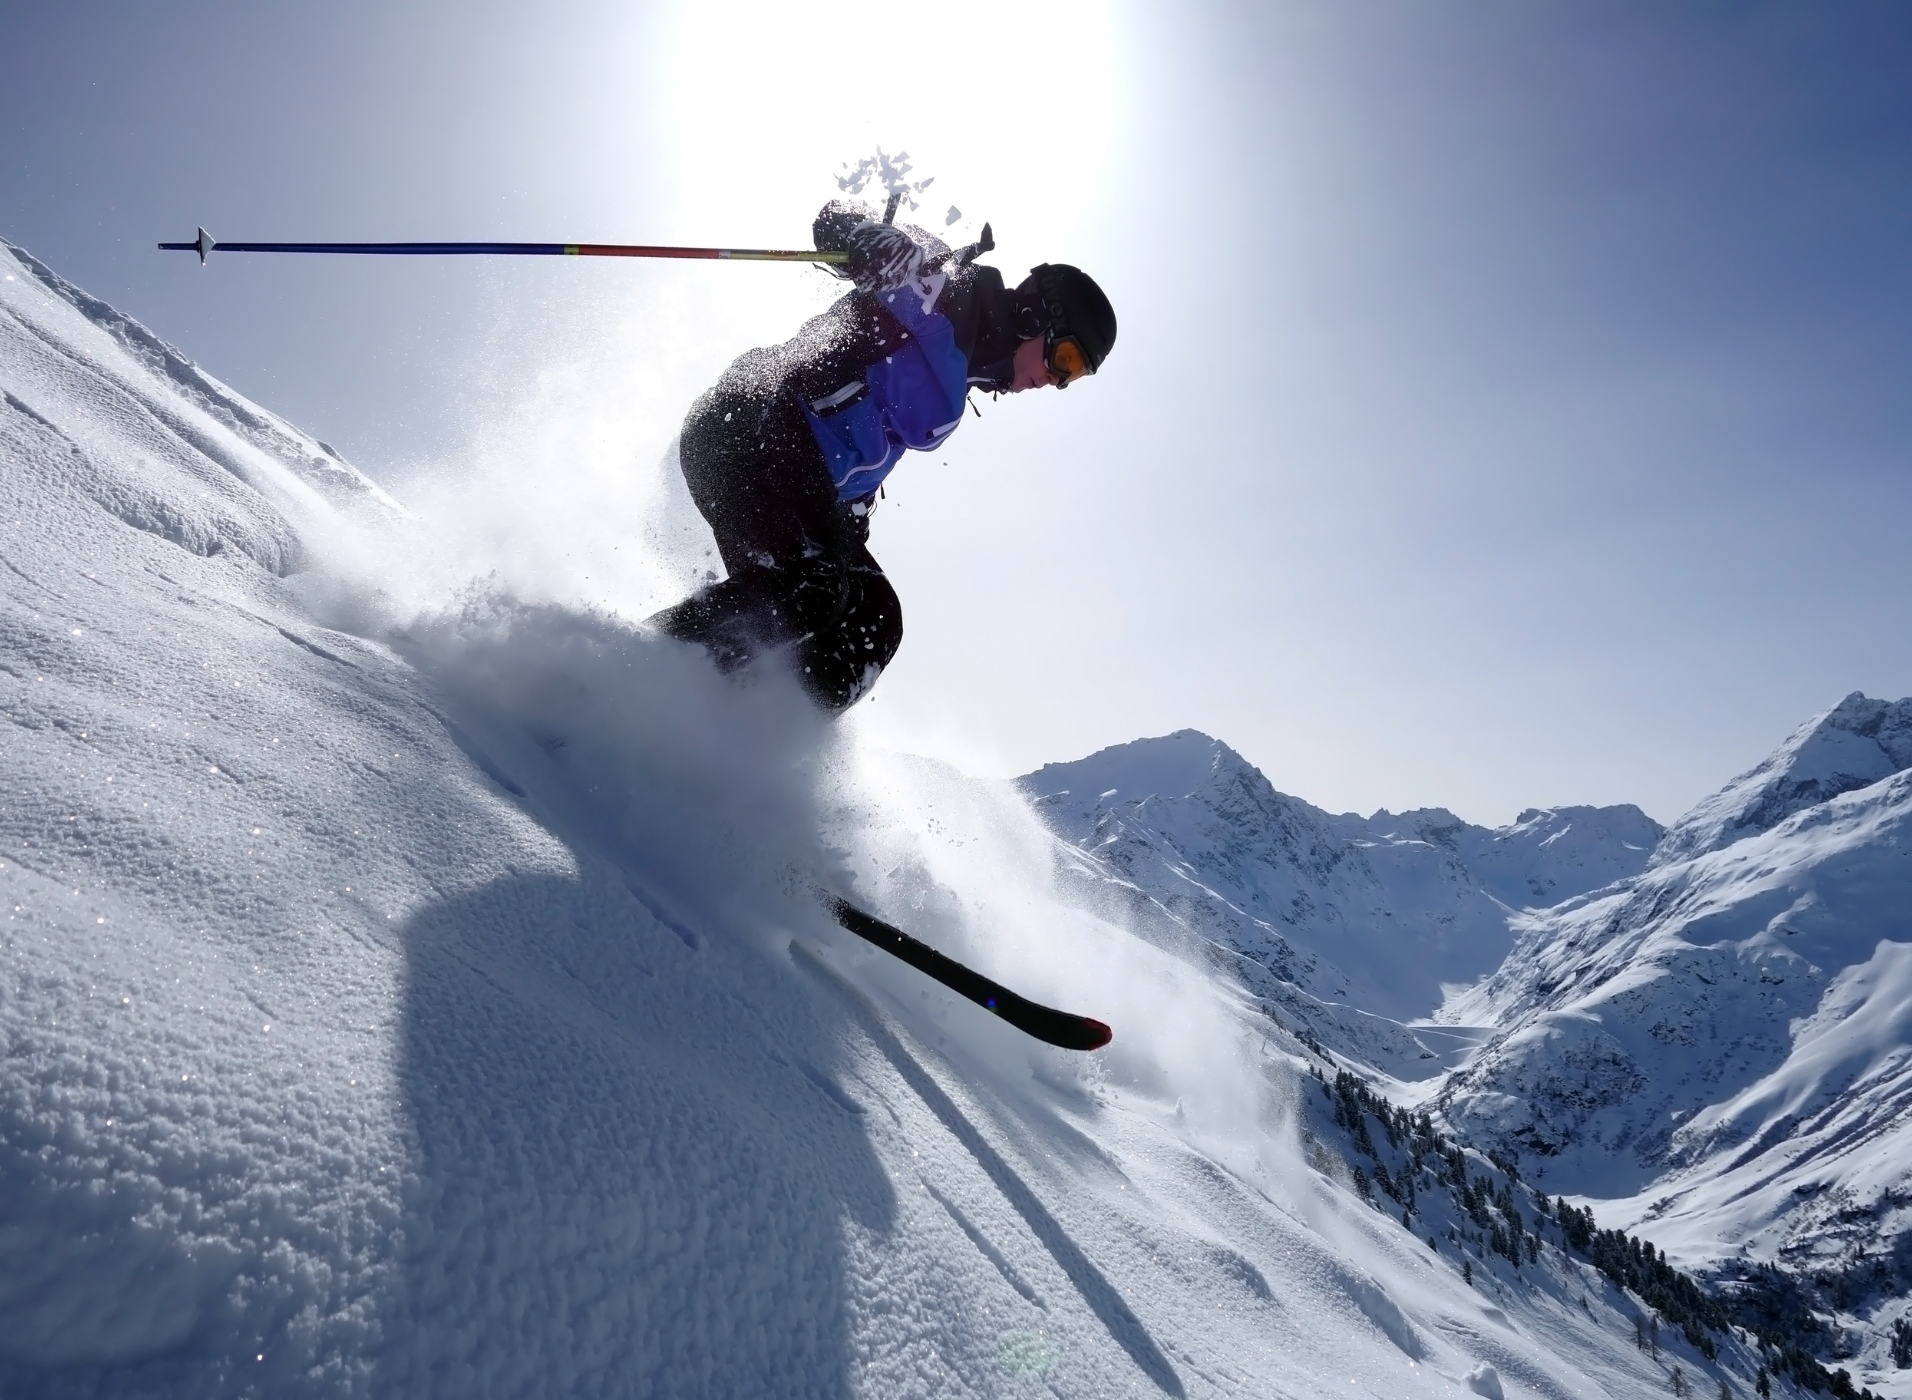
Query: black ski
[{"x": 1044, "y": 1023}]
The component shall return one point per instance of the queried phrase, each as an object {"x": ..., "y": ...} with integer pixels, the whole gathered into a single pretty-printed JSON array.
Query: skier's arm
[{"x": 882, "y": 256}]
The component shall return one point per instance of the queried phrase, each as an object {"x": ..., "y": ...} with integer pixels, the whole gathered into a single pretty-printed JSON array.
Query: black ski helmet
[{"x": 1057, "y": 300}]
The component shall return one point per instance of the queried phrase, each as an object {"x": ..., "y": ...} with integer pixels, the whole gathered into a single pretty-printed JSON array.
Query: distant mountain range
[
  {"x": 1359, "y": 927},
  {"x": 1706, "y": 1029}
]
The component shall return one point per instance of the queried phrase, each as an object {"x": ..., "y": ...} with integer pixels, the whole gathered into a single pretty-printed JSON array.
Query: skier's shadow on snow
[
  {"x": 618, "y": 1187},
  {"x": 1096, "y": 1290}
]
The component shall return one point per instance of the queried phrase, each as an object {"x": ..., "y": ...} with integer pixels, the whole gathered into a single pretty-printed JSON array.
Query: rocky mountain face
[
  {"x": 1547, "y": 855},
  {"x": 1358, "y": 926},
  {"x": 1851, "y": 746}
]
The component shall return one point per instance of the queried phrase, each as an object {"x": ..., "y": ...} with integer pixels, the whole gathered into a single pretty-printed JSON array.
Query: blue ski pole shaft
[{"x": 205, "y": 244}]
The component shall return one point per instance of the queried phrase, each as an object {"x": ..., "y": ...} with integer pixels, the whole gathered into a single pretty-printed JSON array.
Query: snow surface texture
[
  {"x": 1708, "y": 1038},
  {"x": 423, "y": 996}
]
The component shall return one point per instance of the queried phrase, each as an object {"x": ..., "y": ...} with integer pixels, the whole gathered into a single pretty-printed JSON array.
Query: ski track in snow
[{"x": 422, "y": 1001}]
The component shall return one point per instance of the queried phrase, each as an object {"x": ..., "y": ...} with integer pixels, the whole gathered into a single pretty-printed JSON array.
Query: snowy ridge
[
  {"x": 1855, "y": 743},
  {"x": 1724, "y": 1040},
  {"x": 235, "y": 424},
  {"x": 1718, "y": 1049},
  {"x": 1356, "y": 926},
  {"x": 426, "y": 1001},
  {"x": 1549, "y": 854}
]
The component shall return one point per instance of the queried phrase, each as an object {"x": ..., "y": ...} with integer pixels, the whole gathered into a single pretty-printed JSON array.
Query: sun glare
[{"x": 1008, "y": 106}]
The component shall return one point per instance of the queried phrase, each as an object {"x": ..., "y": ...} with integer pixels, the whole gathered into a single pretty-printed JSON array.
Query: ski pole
[{"x": 206, "y": 243}]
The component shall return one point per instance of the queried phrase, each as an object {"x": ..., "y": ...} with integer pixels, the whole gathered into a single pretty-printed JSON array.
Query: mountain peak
[
  {"x": 1852, "y": 745},
  {"x": 1171, "y": 765}
]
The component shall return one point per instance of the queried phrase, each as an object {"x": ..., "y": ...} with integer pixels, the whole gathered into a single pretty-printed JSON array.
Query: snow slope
[{"x": 424, "y": 998}]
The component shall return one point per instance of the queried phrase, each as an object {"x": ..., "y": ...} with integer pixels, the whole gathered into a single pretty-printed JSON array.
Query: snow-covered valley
[{"x": 420, "y": 994}]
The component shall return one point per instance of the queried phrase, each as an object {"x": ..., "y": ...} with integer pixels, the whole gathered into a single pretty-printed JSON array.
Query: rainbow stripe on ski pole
[{"x": 205, "y": 244}]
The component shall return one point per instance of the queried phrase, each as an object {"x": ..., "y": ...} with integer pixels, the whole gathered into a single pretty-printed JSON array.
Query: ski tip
[{"x": 1099, "y": 1032}]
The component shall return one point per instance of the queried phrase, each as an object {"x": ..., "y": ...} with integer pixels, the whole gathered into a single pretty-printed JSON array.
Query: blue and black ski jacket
[{"x": 888, "y": 368}]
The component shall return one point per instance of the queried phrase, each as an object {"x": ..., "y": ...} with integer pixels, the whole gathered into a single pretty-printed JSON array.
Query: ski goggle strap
[{"x": 1066, "y": 359}]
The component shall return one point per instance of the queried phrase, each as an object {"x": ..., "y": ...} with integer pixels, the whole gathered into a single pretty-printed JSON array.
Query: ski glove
[
  {"x": 832, "y": 228},
  {"x": 882, "y": 256}
]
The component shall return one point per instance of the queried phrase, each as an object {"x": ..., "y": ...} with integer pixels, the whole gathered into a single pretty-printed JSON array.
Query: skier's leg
[
  {"x": 838, "y": 664},
  {"x": 754, "y": 610},
  {"x": 755, "y": 474}
]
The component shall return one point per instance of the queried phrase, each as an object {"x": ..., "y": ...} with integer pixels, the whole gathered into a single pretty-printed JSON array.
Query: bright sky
[{"x": 1511, "y": 405}]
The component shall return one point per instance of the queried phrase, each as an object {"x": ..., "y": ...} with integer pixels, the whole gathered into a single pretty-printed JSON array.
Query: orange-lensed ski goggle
[{"x": 1066, "y": 359}]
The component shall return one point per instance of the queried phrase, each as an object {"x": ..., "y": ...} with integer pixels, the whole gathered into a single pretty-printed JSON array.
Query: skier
[{"x": 785, "y": 456}]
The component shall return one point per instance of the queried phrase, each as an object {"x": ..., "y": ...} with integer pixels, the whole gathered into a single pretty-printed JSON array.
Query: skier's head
[{"x": 1061, "y": 307}]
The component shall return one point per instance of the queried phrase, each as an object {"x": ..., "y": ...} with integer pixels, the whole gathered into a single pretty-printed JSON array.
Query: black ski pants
[{"x": 800, "y": 572}]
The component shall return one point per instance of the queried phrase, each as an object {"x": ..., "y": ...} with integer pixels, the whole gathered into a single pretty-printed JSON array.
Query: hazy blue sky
[{"x": 1511, "y": 405}]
